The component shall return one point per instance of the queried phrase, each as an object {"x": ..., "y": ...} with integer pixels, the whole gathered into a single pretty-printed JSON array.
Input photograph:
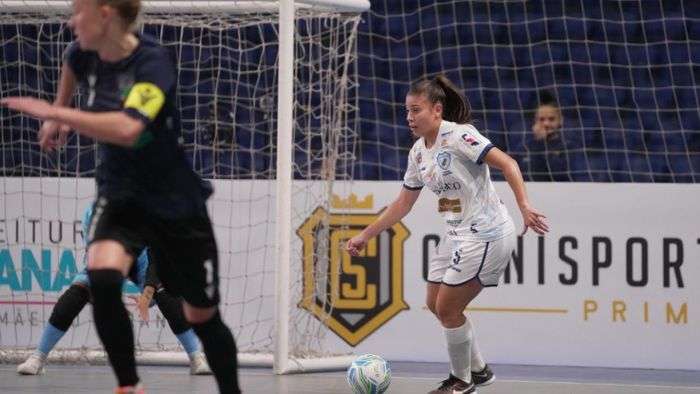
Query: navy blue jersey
[{"x": 155, "y": 173}]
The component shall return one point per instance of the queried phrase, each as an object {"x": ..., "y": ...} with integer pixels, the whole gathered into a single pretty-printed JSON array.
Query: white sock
[
  {"x": 459, "y": 341},
  {"x": 478, "y": 363}
]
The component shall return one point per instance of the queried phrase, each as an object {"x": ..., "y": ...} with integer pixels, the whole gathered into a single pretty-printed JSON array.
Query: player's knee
[
  {"x": 109, "y": 255},
  {"x": 69, "y": 305},
  {"x": 172, "y": 310},
  {"x": 431, "y": 306},
  {"x": 196, "y": 315},
  {"x": 209, "y": 329},
  {"x": 448, "y": 315}
]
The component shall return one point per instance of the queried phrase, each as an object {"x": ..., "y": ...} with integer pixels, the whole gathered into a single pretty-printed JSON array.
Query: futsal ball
[{"x": 369, "y": 374}]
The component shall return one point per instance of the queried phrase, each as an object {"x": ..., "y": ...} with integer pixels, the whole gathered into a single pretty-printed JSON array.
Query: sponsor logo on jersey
[
  {"x": 353, "y": 296},
  {"x": 454, "y": 222},
  {"x": 469, "y": 140},
  {"x": 444, "y": 159},
  {"x": 447, "y": 186},
  {"x": 449, "y": 205}
]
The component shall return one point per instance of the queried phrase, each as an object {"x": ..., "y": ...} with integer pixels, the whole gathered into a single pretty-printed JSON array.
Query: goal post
[{"x": 267, "y": 94}]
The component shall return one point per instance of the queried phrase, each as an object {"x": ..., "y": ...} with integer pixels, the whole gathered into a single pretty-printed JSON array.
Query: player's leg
[
  {"x": 450, "y": 304},
  {"x": 67, "y": 308},
  {"x": 219, "y": 345},
  {"x": 116, "y": 233},
  {"x": 460, "y": 285},
  {"x": 439, "y": 264},
  {"x": 171, "y": 307},
  {"x": 189, "y": 267},
  {"x": 481, "y": 373},
  {"x": 495, "y": 263},
  {"x": 108, "y": 265}
]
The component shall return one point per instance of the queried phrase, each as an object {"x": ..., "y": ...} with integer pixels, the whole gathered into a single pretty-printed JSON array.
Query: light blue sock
[
  {"x": 189, "y": 341},
  {"x": 49, "y": 338}
]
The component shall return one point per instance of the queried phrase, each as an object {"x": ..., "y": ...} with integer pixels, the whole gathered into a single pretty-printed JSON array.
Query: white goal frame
[{"x": 280, "y": 360}]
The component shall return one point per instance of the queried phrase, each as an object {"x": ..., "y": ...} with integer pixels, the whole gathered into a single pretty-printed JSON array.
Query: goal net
[
  {"x": 623, "y": 73},
  {"x": 227, "y": 56}
]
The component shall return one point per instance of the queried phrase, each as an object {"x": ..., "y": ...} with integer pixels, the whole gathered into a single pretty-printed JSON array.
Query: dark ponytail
[{"x": 456, "y": 108}]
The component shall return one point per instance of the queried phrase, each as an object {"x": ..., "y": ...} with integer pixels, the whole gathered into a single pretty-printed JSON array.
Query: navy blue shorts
[{"x": 183, "y": 250}]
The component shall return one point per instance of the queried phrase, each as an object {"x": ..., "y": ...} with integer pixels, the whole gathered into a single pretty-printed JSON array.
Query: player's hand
[
  {"x": 533, "y": 219},
  {"x": 34, "y": 107},
  {"x": 52, "y": 135},
  {"x": 143, "y": 302},
  {"x": 355, "y": 245}
]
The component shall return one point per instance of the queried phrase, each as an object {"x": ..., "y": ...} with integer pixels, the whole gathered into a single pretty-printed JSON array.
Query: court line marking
[
  {"x": 328, "y": 375},
  {"x": 399, "y": 377},
  {"x": 517, "y": 310},
  {"x": 568, "y": 383},
  {"x": 512, "y": 309}
]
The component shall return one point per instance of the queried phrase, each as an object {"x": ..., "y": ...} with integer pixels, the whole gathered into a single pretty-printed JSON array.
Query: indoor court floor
[{"x": 408, "y": 378}]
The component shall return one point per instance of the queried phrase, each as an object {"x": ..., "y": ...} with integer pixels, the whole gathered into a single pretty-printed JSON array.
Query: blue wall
[{"x": 625, "y": 77}]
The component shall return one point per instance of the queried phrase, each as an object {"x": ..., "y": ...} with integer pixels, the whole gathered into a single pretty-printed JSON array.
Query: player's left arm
[
  {"x": 511, "y": 171},
  {"x": 151, "y": 279},
  {"x": 151, "y": 284}
]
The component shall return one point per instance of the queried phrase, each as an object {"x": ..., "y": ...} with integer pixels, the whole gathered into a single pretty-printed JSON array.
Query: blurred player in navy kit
[{"x": 147, "y": 192}]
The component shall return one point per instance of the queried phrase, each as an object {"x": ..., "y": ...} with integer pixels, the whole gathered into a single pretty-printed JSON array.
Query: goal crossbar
[{"x": 189, "y": 6}]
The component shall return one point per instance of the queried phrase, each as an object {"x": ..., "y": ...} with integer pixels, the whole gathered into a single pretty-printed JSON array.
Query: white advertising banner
[{"x": 615, "y": 283}]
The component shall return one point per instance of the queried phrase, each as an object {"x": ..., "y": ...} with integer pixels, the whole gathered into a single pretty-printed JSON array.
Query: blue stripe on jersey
[{"x": 483, "y": 153}]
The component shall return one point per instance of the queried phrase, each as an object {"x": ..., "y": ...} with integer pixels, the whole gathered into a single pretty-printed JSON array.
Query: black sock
[
  {"x": 171, "y": 308},
  {"x": 113, "y": 323},
  {"x": 69, "y": 306},
  {"x": 220, "y": 349}
]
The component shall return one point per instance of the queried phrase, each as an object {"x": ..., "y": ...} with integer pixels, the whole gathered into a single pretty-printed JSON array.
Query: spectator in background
[{"x": 545, "y": 158}]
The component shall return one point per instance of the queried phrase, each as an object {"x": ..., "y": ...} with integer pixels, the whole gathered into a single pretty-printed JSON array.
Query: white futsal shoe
[
  {"x": 199, "y": 365},
  {"x": 34, "y": 365}
]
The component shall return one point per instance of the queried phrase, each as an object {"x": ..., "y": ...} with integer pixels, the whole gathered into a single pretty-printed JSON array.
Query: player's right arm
[
  {"x": 412, "y": 185},
  {"x": 395, "y": 212},
  {"x": 156, "y": 77},
  {"x": 53, "y": 133}
]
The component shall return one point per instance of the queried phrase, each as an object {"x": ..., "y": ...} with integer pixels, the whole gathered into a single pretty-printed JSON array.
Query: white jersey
[{"x": 453, "y": 169}]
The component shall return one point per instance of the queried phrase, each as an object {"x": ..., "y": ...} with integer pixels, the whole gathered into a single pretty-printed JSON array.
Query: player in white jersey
[{"x": 452, "y": 159}]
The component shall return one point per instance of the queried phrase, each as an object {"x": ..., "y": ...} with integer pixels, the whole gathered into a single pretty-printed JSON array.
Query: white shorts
[{"x": 458, "y": 262}]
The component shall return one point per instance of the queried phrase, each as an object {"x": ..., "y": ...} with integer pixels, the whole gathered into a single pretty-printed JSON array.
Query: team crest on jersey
[
  {"x": 419, "y": 157},
  {"x": 444, "y": 159},
  {"x": 124, "y": 84},
  {"x": 353, "y": 296},
  {"x": 469, "y": 140}
]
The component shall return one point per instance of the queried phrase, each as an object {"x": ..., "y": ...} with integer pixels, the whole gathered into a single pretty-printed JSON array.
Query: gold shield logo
[{"x": 353, "y": 296}]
